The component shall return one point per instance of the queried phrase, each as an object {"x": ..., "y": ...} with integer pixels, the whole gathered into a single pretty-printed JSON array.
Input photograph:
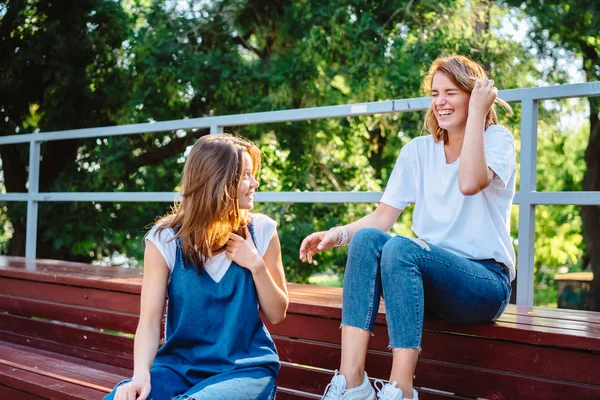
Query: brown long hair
[
  {"x": 463, "y": 72},
  {"x": 209, "y": 208}
]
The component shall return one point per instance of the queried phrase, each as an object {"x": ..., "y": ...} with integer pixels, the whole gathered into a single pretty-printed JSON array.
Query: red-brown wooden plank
[
  {"x": 327, "y": 330},
  {"x": 67, "y": 294},
  {"x": 58, "y": 368},
  {"x": 574, "y": 366},
  {"x": 522, "y": 358},
  {"x": 555, "y": 313},
  {"x": 539, "y": 322},
  {"x": 67, "y": 334},
  {"x": 301, "y": 294},
  {"x": 73, "y": 351},
  {"x": 101, "y": 366},
  {"x": 312, "y": 381},
  {"x": 84, "y": 316},
  {"x": 45, "y": 386},
  {"x": 110, "y": 278},
  {"x": 459, "y": 380},
  {"x": 481, "y": 383},
  {"x": 309, "y": 299},
  {"x": 290, "y": 394},
  {"x": 324, "y": 301},
  {"x": 303, "y": 379},
  {"x": 10, "y": 393},
  {"x": 523, "y": 333}
]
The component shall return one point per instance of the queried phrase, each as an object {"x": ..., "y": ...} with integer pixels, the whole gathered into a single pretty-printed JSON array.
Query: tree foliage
[
  {"x": 138, "y": 61},
  {"x": 571, "y": 27}
]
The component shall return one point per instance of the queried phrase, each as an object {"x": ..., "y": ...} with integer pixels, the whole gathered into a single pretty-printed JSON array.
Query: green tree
[
  {"x": 57, "y": 69},
  {"x": 572, "y": 26},
  {"x": 224, "y": 57},
  {"x": 65, "y": 67}
]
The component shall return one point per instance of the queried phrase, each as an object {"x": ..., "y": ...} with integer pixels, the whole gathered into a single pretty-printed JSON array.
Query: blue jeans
[
  {"x": 255, "y": 383},
  {"x": 410, "y": 274}
]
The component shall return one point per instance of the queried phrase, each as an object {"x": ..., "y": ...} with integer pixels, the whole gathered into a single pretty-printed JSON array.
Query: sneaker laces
[
  {"x": 334, "y": 390},
  {"x": 386, "y": 391}
]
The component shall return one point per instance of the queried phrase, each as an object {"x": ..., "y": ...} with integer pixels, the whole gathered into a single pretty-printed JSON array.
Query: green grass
[{"x": 326, "y": 279}]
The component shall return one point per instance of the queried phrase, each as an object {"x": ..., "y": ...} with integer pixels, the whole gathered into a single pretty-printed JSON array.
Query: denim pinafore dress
[{"x": 216, "y": 345}]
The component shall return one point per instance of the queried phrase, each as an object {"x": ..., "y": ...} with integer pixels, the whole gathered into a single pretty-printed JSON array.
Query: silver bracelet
[{"x": 342, "y": 237}]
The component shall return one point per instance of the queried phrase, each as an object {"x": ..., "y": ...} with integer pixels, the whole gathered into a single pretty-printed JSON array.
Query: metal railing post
[
  {"x": 32, "y": 205},
  {"x": 525, "y": 270},
  {"x": 215, "y": 129}
]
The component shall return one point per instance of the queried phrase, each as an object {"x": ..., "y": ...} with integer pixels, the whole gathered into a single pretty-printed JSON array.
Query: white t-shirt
[
  {"x": 264, "y": 227},
  {"x": 477, "y": 226}
]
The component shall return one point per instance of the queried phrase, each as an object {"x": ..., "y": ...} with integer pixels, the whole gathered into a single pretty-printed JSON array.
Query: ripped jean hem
[
  {"x": 393, "y": 348},
  {"x": 357, "y": 327}
]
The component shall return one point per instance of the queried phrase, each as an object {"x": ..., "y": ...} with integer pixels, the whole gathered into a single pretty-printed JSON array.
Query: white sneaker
[
  {"x": 336, "y": 390},
  {"x": 389, "y": 391}
]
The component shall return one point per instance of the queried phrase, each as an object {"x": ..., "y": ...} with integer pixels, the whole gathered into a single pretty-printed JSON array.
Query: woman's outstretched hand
[
  {"x": 316, "y": 242},
  {"x": 243, "y": 251},
  {"x": 482, "y": 97}
]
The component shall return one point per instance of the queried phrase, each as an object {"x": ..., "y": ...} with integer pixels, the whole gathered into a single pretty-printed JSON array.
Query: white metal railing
[{"x": 527, "y": 197}]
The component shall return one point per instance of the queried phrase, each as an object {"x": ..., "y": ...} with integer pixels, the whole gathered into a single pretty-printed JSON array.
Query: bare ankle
[
  {"x": 407, "y": 390},
  {"x": 354, "y": 378}
]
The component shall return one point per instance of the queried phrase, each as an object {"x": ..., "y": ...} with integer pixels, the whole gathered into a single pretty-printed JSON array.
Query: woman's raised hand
[
  {"x": 243, "y": 251},
  {"x": 482, "y": 97},
  {"x": 316, "y": 242}
]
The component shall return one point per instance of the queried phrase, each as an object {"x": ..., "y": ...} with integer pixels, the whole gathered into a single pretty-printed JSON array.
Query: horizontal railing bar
[
  {"x": 587, "y": 89},
  {"x": 99, "y": 196},
  {"x": 536, "y": 198},
  {"x": 14, "y": 196},
  {"x": 301, "y": 114},
  {"x": 560, "y": 198},
  {"x": 318, "y": 197}
]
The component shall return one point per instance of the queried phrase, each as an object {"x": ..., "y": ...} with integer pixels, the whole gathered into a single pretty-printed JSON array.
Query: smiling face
[
  {"x": 248, "y": 184},
  {"x": 449, "y": 104}
]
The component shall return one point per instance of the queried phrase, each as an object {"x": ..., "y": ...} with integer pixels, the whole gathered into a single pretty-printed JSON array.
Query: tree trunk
[
  {"x": 482, "y": 15},
  {"x": 15, "y": 179},
  {"x": 590, "y": 215},
  {"x": 377, "y": 143},
  {"x": 481, "y": 10}
]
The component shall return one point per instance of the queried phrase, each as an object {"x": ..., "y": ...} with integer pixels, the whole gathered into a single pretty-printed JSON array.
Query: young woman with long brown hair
[
  {"x": 461, "y": 179},
  {"x": 218, "y": 264}
]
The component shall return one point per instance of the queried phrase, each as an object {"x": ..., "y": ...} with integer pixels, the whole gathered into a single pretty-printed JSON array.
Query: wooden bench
[{"x": 66, "y": 333}]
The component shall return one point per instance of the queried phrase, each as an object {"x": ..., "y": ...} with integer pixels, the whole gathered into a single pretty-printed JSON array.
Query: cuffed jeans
[{"x": 410, "y": 274}]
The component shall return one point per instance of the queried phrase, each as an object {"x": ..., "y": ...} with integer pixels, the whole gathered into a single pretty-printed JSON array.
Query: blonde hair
[
  {"x": 463, "y": 72},
  {"x": 209, "y": 208}
]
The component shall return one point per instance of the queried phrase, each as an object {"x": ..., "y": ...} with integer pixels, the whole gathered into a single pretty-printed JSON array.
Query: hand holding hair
[
  {"x": 483, "y": 96},
  {"x": 244, "y": 252}
]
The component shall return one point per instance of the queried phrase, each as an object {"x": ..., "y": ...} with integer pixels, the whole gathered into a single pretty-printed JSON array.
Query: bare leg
[
  {"x": 403, "y": 369},
  {"x": 354, "y": 353}
]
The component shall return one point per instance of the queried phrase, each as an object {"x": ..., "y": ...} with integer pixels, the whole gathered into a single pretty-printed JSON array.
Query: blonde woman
[
  {"x": 461, "y": 179},
  {"x": 218, "y": 264}
]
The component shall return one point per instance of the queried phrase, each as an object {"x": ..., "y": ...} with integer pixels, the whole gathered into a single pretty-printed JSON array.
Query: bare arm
[
  {"x": 474, "y": 175},
  {"x": 270, "y": 283},
  {"x": 154, "y": 287},
  {"x": 383, "y": 218},
  {"x": 267, "y": 272},
  {"x": 147, "y": 335}
]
